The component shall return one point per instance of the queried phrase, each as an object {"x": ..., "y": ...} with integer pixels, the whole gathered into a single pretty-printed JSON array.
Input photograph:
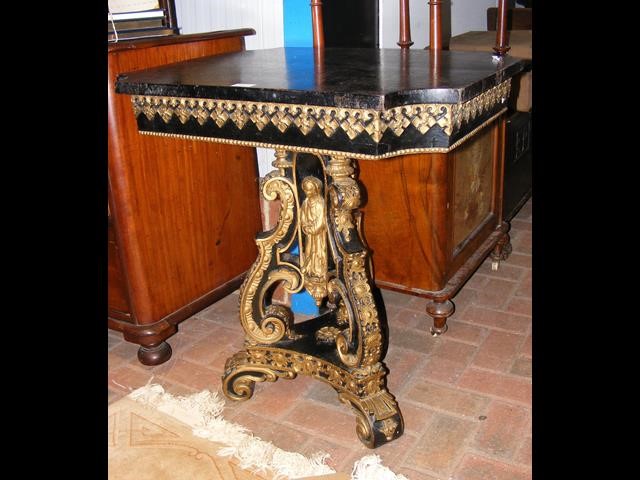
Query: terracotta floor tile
[
  {"x": 395, "y": 299},
  {"x": 115, "y": 360},
  {"x": 324, "y": 393},
  {"x": 441, "y": 444},
  {"x": 392, "y": 453},
  {"x": 196, "y": 327},
  {"x": 441, "y": 371},
  {"x": 275, "y": 399},
  {"x": 448, "y": 349},
  {"x": 524, "y": 289},
  {"x": 127, "y": 378},
  {"x": 125, "y": 351},
  {"x": 517, "y": 224},
  {"x": 465, "y": 297},
  {"x": 498, "y": 319},
  {"x": 206, "y": 351},
  {"x": 341, "y": 458},
  {"x": 498, "y": 351},
  {"x": 281, "y": 436},
  {"x": 496, "y": 440},
  {"x": 477, "y": 281},
  {"x": 508, "y": 387},
  {"x": 114, "y": 395},
  {"x": 448, "y": 399},
  {"x": 401, "y": 364},
  {"x": 526, "y": 346},
  {"x": 522, "y": 366},
  {"x": 114, "y": 339},
  {"x": 526, "y": 211},
  {"x": 523, "y": 243},
  {"x": 191, "y": 374},
  {"x": 405, "y": 318},
  {"x": 523, "y": 455},
  {"x": 465, "y": 332},
  {"x": 336, "y": 426},
  {"x": 411, "y": 339},
  {"x": 506, "y": 271},
  {"x": 474, "y": 467},
  {"x": 224, "y": 310},
  {"x": 416, "y": 475},
  {"x": 520, "y": 260},
  {"x": 519, "y": 305},
  {"x": 496, "y": 293},
  {"x": 416, "y": 418}
]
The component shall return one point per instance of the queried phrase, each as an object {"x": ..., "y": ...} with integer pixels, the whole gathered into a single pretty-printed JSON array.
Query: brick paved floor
[{"x": 465, "y": 396}]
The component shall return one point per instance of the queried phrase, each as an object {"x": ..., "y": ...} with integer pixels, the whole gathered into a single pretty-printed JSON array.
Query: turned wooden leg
[
  {"x": 439, "y": 311},
  {"x": 501, "y": 251},
  {"x": 154, "y": 354}
]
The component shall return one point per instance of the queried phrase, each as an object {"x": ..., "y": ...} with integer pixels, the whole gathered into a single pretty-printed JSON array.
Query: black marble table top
[{"x": 382, "y": 100}]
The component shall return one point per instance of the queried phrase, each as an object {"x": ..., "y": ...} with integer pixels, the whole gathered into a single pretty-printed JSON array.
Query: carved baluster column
[
  {"x": 317, "y": 24},
  {"x": 404, "y": 41},
  {"x": 502, "y": 34}
]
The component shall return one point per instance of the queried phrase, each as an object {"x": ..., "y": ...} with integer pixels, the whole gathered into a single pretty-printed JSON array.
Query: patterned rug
[{"x": 156, "y": 436}]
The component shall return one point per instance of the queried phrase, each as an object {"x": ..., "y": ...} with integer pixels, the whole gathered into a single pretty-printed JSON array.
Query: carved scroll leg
[
  {"x": 501, "y": 251},
  {"x": 241, "y": 375},
  {"x": 439, "y": 311},
  {"x": 378, "y": 419}
]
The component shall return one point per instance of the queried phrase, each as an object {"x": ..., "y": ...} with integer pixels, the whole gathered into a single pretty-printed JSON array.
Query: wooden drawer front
[
  {"x": 473, "y": 186},
  {"x": 118, "y": 299}
]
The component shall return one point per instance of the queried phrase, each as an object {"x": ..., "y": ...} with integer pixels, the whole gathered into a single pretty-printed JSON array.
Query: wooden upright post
[
  {"x": 317, "y": 23},
  {"x": 405, "y": 25},
  {"x": 435, "y": 25},
  {"x": 502, "y": 40}
]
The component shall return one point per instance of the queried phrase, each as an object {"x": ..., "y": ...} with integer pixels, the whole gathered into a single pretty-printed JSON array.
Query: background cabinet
[{"x": 183, "y": 214}]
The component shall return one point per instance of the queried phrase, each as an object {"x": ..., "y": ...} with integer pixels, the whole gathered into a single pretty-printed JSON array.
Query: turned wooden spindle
[
  {"x": 435, "y": 25},
  {"x": 405, "y": 25},
  {"x": 317, "y": 24},
  {"x": 502, "y": 34}
]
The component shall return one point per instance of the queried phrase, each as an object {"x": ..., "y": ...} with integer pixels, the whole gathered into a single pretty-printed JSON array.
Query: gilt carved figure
[{"x": 314, "y": 226}]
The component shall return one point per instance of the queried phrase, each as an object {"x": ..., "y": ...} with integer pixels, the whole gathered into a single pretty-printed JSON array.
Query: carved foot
[
  {"x": 439, "y": 311},
  {"x": 378, "y": 419},
  {"x": 154, "y": 354},
  {"x": 501, "y": 252},
  {"x": 240, "y": 376}
]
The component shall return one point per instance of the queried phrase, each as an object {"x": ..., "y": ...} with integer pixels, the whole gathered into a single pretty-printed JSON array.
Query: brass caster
[{"x": 435, "y": 331}]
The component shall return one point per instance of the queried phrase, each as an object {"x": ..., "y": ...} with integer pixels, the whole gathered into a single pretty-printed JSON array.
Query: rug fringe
[
  {"x": 370, "y": 467},
  {"x": 203, "y": 413}
]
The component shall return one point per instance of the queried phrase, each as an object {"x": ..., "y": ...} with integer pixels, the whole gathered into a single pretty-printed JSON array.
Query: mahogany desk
[{"x": 321, "y": 111}]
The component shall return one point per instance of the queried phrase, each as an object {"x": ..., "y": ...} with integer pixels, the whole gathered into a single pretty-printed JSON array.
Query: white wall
[
  {"x": 264, "y": 16},
  {"x": 466, "y": 15}
]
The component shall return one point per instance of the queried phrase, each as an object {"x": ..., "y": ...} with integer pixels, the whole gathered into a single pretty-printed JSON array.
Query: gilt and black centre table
[{"x": 321, "y": 110}]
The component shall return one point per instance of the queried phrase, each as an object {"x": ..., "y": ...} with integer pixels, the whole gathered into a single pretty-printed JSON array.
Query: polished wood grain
[
  {"x": 473, "y": 185},
  {"x": 415, "y": 218},
  {"x": 184, "y": 212},
  {"x": 405, "y": 219}
]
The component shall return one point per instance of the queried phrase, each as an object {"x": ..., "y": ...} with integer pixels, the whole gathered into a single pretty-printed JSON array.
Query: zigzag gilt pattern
[{"x": 328, "y": 119}]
